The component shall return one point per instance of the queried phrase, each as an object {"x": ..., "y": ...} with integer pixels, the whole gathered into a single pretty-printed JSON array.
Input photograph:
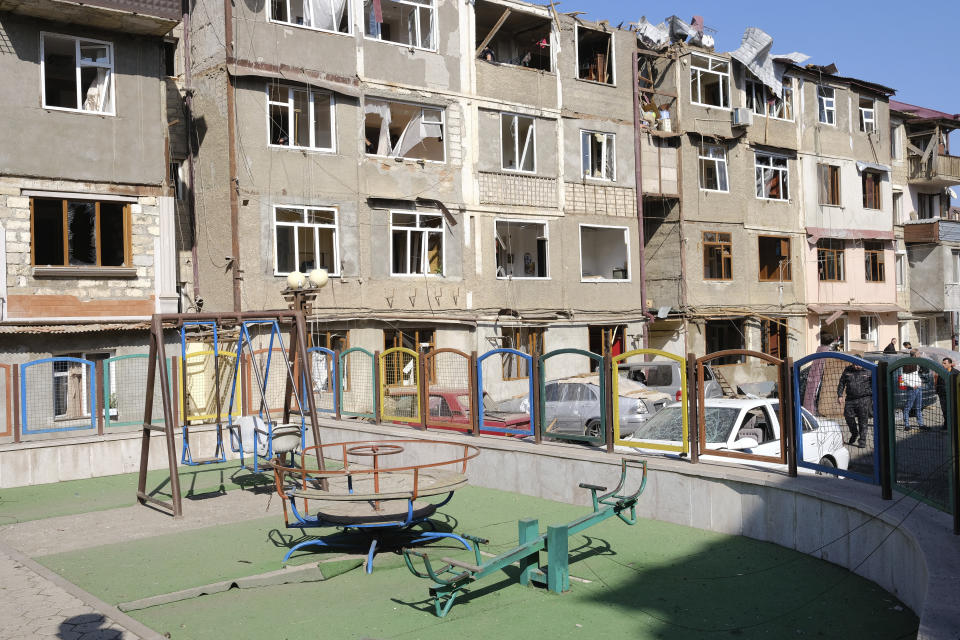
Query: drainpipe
[
  {"x": 638, "y": 165},
  {"x": 188, "y": 115},
  {"x": 232, "y": 155}
]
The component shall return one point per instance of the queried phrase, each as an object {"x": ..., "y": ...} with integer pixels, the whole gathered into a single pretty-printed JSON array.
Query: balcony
[
  {"x": 938, "y": 170},
  {"x": 141, "y": 17}
]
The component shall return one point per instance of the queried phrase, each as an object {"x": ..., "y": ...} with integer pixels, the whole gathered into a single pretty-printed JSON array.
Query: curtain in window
[
  {"x": 323, "y": 14},
  {"x": 382, "y": 109},
  {"x": 95, "y": 84}
]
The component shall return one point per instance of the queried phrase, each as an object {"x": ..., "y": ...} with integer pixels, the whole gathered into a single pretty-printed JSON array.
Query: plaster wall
[
  {"x": 512, "y": 84},
  {"x": 850, "y": 214},
  {"x": 612, "y": 102},
  {"x": 491, "y": 144},
  {"x": 844, "y": 139},
  {"x": 854, "y": 289}
]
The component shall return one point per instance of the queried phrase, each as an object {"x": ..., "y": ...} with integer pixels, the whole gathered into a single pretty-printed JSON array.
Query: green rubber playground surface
[{"x": 652, "y": 580}]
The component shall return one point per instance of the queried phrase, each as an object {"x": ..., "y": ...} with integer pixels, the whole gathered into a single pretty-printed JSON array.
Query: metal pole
[
  {"x": 638, "y": 177},
  {"x": 98, "y": 376},
  {"x": 377, "y": 409},
  {"x": 950, "y": 421},
  {"x": 885, "y": 429},
  {"x": 693, "y": 408},
  {"x": 17, "y": 400},
  {"x": 423, "y": 396},
  {"x": 535, "y": 414},
  {"x": 474, "y": 395},
  {"x": 234, "y": 184},
  {"x": 609, "y": 400},
  {"x": 788, "y": 427},
  {"x": 337, "y": 380}
]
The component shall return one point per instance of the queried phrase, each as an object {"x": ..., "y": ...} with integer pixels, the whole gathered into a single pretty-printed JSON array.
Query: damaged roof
[{"x": 922, "y": 113}]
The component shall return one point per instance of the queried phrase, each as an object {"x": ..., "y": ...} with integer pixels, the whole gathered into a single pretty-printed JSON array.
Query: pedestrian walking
[
  {"x": 941, "y": 386},
  {"x": 855, "y": 395},
  {"x": 912, "y": 384}
]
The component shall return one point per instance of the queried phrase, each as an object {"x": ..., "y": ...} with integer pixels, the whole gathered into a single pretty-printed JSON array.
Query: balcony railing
[{"x": 940, "y": 168}]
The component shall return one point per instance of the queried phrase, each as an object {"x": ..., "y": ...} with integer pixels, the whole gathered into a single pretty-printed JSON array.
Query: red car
[{"x": 450, "y": 409}]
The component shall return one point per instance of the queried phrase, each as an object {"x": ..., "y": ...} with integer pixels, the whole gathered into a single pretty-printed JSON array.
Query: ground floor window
[
  {"x": 80, "y": 233},
  {"x": 399, "y": 366},
  {"x": 723, "y": 335},
  {"x": 71, "y": 385},
  {"x": 521, "y": 249},
  {"x": 528, "y": 340},
  {"x": 773, "y": 337},
  {"x": 604, "y": 253}
]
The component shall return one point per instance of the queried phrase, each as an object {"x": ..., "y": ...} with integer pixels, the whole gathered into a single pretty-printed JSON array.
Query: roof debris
[{"x": 754, "y": 54}]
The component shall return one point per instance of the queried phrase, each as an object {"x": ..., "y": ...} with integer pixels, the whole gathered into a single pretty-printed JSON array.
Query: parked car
[
  {"x": 900, "y": 390},
  {"x": 750, "y": 425},
  {"x": 572, "y": 406},
  {"x": 452, "y": 407},
  {"x": 664, "y": 376}
]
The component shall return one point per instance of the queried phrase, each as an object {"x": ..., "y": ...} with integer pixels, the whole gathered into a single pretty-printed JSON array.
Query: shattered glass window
[
  {"x": 709, "y": 81},
  {"x": 772, "y": 177},
  {"x": 827, "y": 105},
  {"x": 79, "y": 233}
]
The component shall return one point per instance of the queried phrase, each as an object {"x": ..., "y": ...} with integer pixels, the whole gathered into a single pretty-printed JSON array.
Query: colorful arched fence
[
  {"x": 400, "y": 386},
  {"x": 357, "y": 388},
  {"x": 673, "y": 435},
  {"x": 509, "y": 413},
  {"x": 574, "y": 407}
]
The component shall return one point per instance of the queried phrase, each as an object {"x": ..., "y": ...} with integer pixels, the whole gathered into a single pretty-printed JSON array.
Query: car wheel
[
  {"x": 826, "y": 462},
  {"x": 594, "y": 430}
]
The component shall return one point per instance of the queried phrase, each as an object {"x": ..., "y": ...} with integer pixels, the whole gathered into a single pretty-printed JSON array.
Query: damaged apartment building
[
  {"x": 88, "y": 236},
  {"x": 464, "y": 171},
  {"x": 783, "y": 211}
]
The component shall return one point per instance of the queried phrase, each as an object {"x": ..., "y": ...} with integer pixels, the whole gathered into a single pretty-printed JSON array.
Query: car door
[{"x": 760, "y": 422}]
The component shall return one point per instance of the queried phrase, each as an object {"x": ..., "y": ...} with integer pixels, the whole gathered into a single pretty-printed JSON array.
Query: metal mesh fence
[
  {"x": 450, "y": 394},
  {"x": 838, "y": 399},
  {"x": 356, "y": 383},
  {"x": 506, "y": 390},
  {"x": 57, "y": 395},
  {"x": 399, "y": 385},
  {"x": 921, "y": 445},
  {"x": 271, "y": 380},
  {"x": 124, "y": 389},
  {"x": 323, "y": 372},
  {"x": 6, "y": 402},
  {"x": 198, "y": 386},
  {"x": 646, "y": 391},
  {"x": 573, "y": 396}
]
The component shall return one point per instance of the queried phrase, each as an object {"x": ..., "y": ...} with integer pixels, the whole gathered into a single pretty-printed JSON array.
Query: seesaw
[{"x": 454, "y": 576}]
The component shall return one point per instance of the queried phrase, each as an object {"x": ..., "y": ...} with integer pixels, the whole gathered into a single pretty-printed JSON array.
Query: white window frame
[
  {"x": 704, "y": 156},
  {"x": 896, "y": 202},
  {"x": 347, "y": 11},
  {"x": 433, "y": 23},
  {"x": 784, "y": 171},
  {"x": 613, "y": 57},
  {"x": 868, "y": 117},
  {"x": 422, "y": 107},
  {"x": 78, "y": 65},
  {"x": 85, "y": 382},
  {"x": 425, "y": 231},
  {"x": 626, "y": 237},
  {"x": 697, "y": 72},
  {"x": 871, "y": 329},
  {"x": 896, "y": 146},
  {"x": 311, "y": 92},
  {"x": 828, "y": 105},
  {"x": 955, "y": 266},
  {"x": 900, "y": 266},
  {"x": 529, "y": 144},
  {"x": 609, "y": 147},
  {"x": 546, "y": 234},
  {"x": 759, "y": 92},
  {"x": 335, "y": 272}
]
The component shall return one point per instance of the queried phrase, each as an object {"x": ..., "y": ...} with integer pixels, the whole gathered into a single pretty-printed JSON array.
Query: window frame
[
  {"x": 896, "y": 201},
  {"x": 701, "y": 158},
  {"x": 784, "y": 267},
  {"x": 517, "y": 152},
  {"x": 289, "y": 104},
  {"x": 609, "y": 147},
  {"x": 535, "y": 337},
  {"x": 837, "y": 258},
  {"x": 872, "y": 329},
  {"x": 900, "y": 266},
  {"x": 613, "y": 56},
  {"x": 876, "y": 192},
  {"x": 874, "y": 263},
  {"x": 864, "y": 120},
  {"x": 433, "y": 22},
  {"x": 626, "y": 237},
  {"x": 127, "y": 235},
  {"x": 697, "y": 72},
  {"x": 78, "y": 65},
  {"x": 822, "y": 109},
  {"x": 85, "y": 409},
  {"x": 725, "y": 248},
  {"x": 347, "y": 11},
  {"x": 834, "y": 171},
  {"x": 783, "y": 171},
  {"x": 546, "y": 235},
  {"x": 421, "y": 106},
  {"x": 309, "y": 225},
  {"x": 754, "y": 88},
  {"x": 424, "y": 256}
]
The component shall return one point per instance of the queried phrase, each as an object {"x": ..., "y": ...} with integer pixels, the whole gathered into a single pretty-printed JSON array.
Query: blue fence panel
[
  {"x": 495, "y": 417},
  {"x": 57, "y": 395}
]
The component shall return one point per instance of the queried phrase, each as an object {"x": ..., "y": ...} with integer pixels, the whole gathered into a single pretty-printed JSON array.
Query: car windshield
[{"x": 668, "y": 424}]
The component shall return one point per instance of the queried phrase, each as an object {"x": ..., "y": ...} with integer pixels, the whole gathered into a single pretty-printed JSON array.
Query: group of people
[{"x": 855, "y": 394}]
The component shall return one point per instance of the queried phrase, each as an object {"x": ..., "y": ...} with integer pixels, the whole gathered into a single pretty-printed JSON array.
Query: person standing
[
  {"x": 855, "y": 395},
  {"x": 892, "y": 347},
  {"x": 941, "y": 386},
  {"x": 912, "y": 384}
]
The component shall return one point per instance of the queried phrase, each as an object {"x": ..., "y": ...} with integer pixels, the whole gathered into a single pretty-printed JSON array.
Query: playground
[{"x": 651, "y": 580}]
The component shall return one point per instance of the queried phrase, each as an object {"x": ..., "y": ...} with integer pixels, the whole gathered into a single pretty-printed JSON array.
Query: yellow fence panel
[{"x": 683, "y": 445}]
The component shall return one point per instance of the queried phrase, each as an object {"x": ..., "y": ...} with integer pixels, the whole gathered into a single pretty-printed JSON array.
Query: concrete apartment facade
[{"x": 457, "y": 200}]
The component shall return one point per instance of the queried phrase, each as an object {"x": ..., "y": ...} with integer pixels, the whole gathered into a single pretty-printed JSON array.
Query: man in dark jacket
[{"x": 855, "y": 395}]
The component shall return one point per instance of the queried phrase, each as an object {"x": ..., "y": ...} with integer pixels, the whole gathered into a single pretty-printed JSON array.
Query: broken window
[
  {"x": 871, "y": 189},
  {"x": 713, "y": 168},
  {"x": 401, "y": 130},
  {"x": 772, "y": 177},
  {"x": 829, "y": 178},
  {"x": 521, "y": 39},
  {"x": 417, "y": 243},
  {"x": 604, "y": 253},
  {"x": 306, "y": 240},
  {"x": 774, "y": 252},
  {"x": 873, "y": 261},
  {"x": 598, "y": 158},
  {"x": 594, "y": 55},
  {"x": 77, "y": 73},
  {"x": 827, "y": 105},
  {"x": 80, "y": 233},
  {"x": 764, "y": 102},
  {"x": 868, "y": 116},
  {"x": 517, "y": 143},
  {"x": 709, "y": 81},
  {"x": 928, "y": 206},
  {"x": 773, "y": 337},
  {"x": 528, "y": 340},
  {"x": 325, "y": 15},
  {"x": 830, "y": 260},
  {"x": 300, "y": 117},
  {"x": 406, "y": 22},
  {"x": 521, "y": 249},
  {"x": 724, "y": 335},
  {"x": 868, "y": 329},
  {"x": 717, "y": 256}
]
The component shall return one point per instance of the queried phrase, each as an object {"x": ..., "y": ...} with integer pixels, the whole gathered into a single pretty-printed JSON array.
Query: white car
[{"x": 749, "y": 425}]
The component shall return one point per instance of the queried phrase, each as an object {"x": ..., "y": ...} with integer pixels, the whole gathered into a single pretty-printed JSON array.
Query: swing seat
[{"x": 285, "y": 437}]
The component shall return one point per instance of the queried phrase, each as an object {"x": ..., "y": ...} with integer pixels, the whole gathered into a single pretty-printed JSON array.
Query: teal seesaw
[{"x": 451, "y": 579}]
